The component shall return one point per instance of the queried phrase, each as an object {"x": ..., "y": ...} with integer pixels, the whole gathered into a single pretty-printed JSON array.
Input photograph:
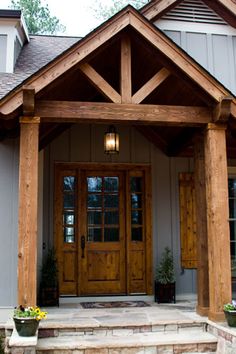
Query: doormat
[{"x": 113, "y": 304}]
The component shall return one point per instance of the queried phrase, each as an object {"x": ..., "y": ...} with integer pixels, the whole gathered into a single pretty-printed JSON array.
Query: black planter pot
[
  {"x": 231, "y": 318},
  {"x": 26, "y": 327},
  {"x": 164, "y": 292}
]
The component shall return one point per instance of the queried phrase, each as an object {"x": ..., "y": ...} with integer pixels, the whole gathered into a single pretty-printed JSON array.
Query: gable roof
[
  {"x": 35, "y": 55},
  {"x": 78, "y": 52},
  {"x": 224, "y": 8}
]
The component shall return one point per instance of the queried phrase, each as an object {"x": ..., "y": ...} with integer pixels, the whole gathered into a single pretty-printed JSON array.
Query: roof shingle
[{"x": 34, "y": 56}]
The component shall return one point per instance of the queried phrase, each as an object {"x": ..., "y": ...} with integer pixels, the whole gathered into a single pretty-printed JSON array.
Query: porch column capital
[
  {"x": 27, "y": 120},
  {"x": 214, "y": 126}
]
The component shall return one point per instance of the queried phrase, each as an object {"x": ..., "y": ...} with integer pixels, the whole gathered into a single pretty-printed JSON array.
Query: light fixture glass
[{"x": 111, "y": 141}]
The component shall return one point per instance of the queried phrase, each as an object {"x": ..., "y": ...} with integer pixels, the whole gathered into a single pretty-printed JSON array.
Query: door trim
[{"x": 124, "y": 167}]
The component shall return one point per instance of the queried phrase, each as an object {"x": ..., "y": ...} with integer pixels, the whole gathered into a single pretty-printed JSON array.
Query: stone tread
[{"x": 134, "y": 340}]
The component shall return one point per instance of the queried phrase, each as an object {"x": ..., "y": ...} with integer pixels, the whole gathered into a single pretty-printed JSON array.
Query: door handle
[{"x": 82, "y": 245}]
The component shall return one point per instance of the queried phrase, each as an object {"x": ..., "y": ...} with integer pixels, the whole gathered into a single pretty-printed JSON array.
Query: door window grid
[
  {"x": 68, "y": 217},
  {"x": 103, "y": 209},
  {"x": 136, "y": 197}
]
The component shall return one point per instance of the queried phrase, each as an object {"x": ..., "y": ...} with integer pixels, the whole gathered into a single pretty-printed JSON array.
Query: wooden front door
[{"x": 102, "y": 229}]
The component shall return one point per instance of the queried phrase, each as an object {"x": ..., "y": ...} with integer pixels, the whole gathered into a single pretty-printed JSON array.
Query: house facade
[{"x": 165, "y": 77}]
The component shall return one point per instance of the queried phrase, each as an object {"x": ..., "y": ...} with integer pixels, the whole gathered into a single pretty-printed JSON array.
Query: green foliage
[
  {"x": 165, "y": 271},
  {"x": 49, "y": 271},
  {"x": 104, "y": 11},
  {"x": 230, "y": 306},
  {"x": 1, "y": 345},
  {"x": 37, "y": 17}
]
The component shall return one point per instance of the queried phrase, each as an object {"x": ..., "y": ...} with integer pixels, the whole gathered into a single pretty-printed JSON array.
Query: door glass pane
[
  {"x": 232, "y": 226},
  {"x": 111, "y": 234},
  {"x": 136, "y": 201},
  {"x": 94, "y": 234},
  {"x": 232, "y": 187},
  {"x": 136, "y": 184},
  {"x": 94, "y": 201},
  {"x": 68, "y": 218},
  {"x": 94, "y": 184},
  {"x": 137, "y": 234},
  {"x": 111, "y": 201},
  {"x": 69, "y": 183},
  {"x": 94, "y": 218},
  {"x": 112, "y": 218},
  {"x": 136, "y": 217},
  {"x": 69, "y": 201},
  {"x": 111, "y": 184},
  {"x": 69, "y": 234}
]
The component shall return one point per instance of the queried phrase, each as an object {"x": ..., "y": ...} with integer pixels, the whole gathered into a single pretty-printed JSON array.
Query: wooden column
[
  {"x": 217, "y": 220},
  {"x": 28, "y": 208},
  {"x": 201, "y": 226}
]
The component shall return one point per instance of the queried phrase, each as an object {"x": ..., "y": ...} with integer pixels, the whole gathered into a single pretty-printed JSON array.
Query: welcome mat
[{"x": 113, "y": 304}]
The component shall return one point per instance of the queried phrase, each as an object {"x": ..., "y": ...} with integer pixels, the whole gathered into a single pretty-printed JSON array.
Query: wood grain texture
[
  {"x": 151, "y": 11},
  {"x": 150, "y": 86},
  {"x": 201, "y": 227},
  {"x": 28, "y": 213},
  {"x": 217, "y": 221},
  {"x": 187, "y": 221},
  {"x": 72, "y": 112},
  {"x": 28, "y": 101},
  {"x": 125, "y": 72},
  {"x": 100, "y": 83},
  {"x": 222, "y": 111}
]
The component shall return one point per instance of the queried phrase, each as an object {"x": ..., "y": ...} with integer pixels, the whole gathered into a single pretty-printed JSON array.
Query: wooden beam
[
  {"x": 150, "y": 86},
  {"x": 72, "y": 57},
  {"x": 222, "y": 110},
  {"x": 101, "y": 85},
  {"x": 125, "y": 71},
  {"x": 150, "y": 134},
  {"x": 72, "y": 112},
  {"x": 217, "y": 220},
  {"x": 152, "y": 10},
  {"x": 28, "y": 101},
  {"x": 201, "y": 227},
  {"x": 178, "y": 57},
  {"x": 28, "y": 212}
]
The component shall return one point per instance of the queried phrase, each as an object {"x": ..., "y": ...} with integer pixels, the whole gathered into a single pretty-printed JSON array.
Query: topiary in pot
[
  {"x": 165, "y": 278},
  {"x": 49, "y": 292}
]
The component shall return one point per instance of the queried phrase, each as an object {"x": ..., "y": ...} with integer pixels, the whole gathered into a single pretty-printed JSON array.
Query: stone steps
[{"x": 136, "y": 343}]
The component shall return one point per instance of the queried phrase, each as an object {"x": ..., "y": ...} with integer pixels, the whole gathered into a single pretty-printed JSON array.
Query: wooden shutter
[{"x": 187, "y": 221}]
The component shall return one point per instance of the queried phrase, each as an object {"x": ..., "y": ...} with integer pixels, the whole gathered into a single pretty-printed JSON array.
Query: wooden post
[
  {"x": 217, "y": 220},
  {"x": 201, "y": 226},
  {"x": 28, "y": 205},
  {"x": 126, "y": 79}
]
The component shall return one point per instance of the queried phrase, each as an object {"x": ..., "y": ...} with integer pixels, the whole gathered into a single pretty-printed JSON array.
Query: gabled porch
[{"x": 129, "y": 74}]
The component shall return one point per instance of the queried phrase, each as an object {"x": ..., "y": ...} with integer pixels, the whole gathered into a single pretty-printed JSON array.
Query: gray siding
[
  {"x": 84, "y": 143},
  {"x": 17, "y": 49},
  {"x": 215, "y": 52},
  {"x": 8, "y": 222},
  {"x": 3, "y": 52}
]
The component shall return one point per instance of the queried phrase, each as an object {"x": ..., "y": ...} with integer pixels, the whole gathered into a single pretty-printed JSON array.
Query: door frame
[{"x": 126, "y": 168}]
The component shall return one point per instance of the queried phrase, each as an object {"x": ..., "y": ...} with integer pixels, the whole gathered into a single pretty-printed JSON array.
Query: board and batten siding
[
  {"x": 9, "y": 167},
  {"x": 84, "y": 143},
  {"x": 215, "y": 52}
]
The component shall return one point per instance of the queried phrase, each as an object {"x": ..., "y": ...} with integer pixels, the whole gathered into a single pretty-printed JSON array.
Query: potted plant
[
  {"x": 165, "y": 278},
  {"x": 49, "y": 293},
  {"x": 230, "y": 313},
  {"x": 27, "y": 320}
]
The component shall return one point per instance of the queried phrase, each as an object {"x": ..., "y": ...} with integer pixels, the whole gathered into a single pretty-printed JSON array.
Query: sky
[{"x": 76, "y": 15}]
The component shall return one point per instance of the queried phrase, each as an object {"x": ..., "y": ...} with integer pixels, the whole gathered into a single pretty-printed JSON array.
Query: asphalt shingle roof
[{"x": 34, "y": 56}]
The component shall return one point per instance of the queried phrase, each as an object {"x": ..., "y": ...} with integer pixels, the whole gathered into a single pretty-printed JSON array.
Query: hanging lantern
[{"x": 111, "y": 141}]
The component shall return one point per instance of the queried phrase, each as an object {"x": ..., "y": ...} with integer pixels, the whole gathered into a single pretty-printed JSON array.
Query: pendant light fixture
[{"x": 111, "y": 141}]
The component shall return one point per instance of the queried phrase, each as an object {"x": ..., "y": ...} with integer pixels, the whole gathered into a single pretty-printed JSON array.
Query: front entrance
[{"x": 103, "y": 229}]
